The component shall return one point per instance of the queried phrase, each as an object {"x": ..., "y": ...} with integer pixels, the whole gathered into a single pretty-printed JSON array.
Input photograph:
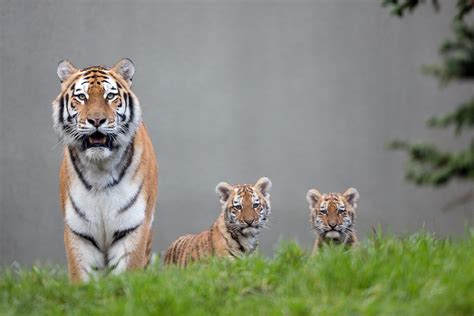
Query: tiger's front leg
[
  {"x": 130, "y": 252},
  {"x": 84, "y": 256}
]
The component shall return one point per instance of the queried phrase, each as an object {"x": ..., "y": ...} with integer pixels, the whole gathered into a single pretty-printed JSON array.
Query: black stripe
[
  {"x": 94, "y": 70},
  {"x": 131, "y": 106},
  {"x": 129, "y": 154},
  {"x": 86, "y": 237},
  {"x": 122, "y": 116},
  {"x": 211, "y": 241},
  {"x": 184, "y": 245},
  {"x": 74, "y": 161},
  {"x": 80, "y": 213},
  {"x": 61, "y": 110},
  {"x": 235, "y": 237},
  {"x": 110, "y": 269},
  {"x": 120, "y": 234},
  {"x": 66, "y": 101},
  {"x": 132, "y": 201},
  {"x": 177, "y": 248}
]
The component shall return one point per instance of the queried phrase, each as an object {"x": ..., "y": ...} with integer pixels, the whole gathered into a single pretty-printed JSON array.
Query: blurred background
[{"x": 307, "y": 93}]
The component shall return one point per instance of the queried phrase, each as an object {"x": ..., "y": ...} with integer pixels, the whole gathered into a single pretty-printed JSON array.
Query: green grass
[{"x": 415, "y": 275}]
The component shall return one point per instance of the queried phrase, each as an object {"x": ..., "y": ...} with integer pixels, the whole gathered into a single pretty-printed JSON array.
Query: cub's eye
[
  {"x": 81, "y": 96},
  {"x": 238, "y": 207},
  {"x": 256, "y": 205},
  {"x": 341, "y": 210},
  {"x": 323, "y": 211},
  {"x": 110, "y": 96}
]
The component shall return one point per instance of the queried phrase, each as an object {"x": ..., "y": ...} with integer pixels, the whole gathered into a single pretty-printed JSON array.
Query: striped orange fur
[
  {"x": 245, "y": 210},
  {"x": 332, "y": 217},
  {"x": 109, "y": 174}
]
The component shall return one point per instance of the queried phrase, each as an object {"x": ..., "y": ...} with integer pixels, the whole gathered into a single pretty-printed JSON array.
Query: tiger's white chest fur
[
  {"x": 105, "y": 213},
  {"x": 249, "y": 239}
]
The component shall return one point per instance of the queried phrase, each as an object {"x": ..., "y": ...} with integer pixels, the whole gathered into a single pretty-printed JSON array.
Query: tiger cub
[
  {"x": 245, "y": 209},
  {"x": 109, "y": 174},
  {"x": 332, "y": 217}
]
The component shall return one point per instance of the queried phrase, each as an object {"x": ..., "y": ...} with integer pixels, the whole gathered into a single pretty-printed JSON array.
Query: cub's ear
[
  {"x": 313, "y": 196},
  {"x": 65, "y": 70},
  {"x": 352, "y": 196},
  {"x": 224, "y": 190},
  {"x": 125, "y": 68},
  {"x": 264, "y": 185}
]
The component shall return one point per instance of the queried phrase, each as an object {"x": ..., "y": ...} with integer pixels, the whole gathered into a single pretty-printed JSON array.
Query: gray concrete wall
[{"x": 306, "y": 93}]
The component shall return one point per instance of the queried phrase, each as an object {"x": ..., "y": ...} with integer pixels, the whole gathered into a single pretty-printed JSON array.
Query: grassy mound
[{"x": 415, "y": 275}]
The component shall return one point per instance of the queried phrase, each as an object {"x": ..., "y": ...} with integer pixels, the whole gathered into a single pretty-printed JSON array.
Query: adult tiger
[
  {"x": 109, "y": 174},
  {"x": 245, "y": 209},
  {"x": 332, "y": 216}
]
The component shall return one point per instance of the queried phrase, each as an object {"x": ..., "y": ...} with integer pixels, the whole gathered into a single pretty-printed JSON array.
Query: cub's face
[
  {"x": 246, "y": 206},
  {"x": 96, "y": 110},
  {"x": 332, "y": 215}
]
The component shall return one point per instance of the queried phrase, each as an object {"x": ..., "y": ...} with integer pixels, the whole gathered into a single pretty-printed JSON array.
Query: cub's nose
[
  {"x": 249, "y": 221},
  {"x": 332, "y": 224},
  {"x": 96, "y": 122}
]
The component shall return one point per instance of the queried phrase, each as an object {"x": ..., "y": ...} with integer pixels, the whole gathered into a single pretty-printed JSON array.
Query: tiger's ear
[
  {"x": 264, "y": 185},
  {"x": 65, "y": 70},
  {"x": 125, "y": 68},
  {"x": 352, "y": 196},
  {"x": 313, "y": 196},
  {"x": 224, "y": 190}
]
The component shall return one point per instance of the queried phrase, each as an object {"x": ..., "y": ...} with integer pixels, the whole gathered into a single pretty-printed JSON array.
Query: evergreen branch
[
  {"x": 457, "y": 55},
  {"x": 462, "y": 117},
  {"x": 400, "y": 7},
  {"x": 430, "y": 166},
  {"x": 464, "y": 7}
]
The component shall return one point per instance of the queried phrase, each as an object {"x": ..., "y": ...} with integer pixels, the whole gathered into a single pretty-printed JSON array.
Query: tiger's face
[
  {"x": 96, "y": 111},
  {"x": 246, "y": 207},
  {"x": 332, "y": 215}
]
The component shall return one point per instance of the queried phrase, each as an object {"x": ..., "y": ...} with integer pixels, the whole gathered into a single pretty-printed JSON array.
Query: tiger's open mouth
[{"x": 97, "y": 139}]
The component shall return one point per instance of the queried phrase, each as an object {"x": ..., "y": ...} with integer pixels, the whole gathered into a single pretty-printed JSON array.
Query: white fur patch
[
  {"x": 103, "y": 215},
  {"x": 333, "y": 235}
]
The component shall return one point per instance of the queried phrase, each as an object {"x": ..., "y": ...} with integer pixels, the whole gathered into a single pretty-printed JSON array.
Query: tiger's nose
[
  {"x": 249, "y": 221},
  {"x": 96, "y": 122},
  {"x": 332, "y": 224}
]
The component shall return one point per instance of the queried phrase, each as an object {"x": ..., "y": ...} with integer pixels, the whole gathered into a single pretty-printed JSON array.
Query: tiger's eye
[
  {"x": 238, "y": 207},
  {"x": 110, "y": 96},
  {"x": 81, "y": 96},
  {"x": 255, "y": 205}
]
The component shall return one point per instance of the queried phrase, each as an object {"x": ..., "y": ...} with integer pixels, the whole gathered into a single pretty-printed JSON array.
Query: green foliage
[
  {"x": 429, "y": 165},
  {"x": 416, "y": 275},
  {"x": 400, "y": 7}
]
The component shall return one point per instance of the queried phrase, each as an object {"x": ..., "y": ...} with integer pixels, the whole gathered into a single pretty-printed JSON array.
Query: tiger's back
[{"x": 189, "y": 248}]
